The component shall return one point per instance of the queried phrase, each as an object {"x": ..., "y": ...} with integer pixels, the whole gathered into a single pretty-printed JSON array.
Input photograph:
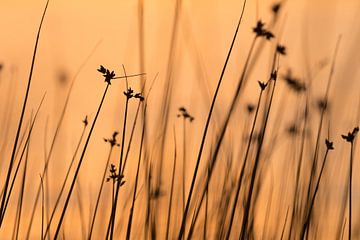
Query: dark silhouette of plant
[
  {"x": 186, "y": 116},
  {"x": 129, "y": 93},
  {"x": 242, "y": 170},
  {"x": 322, "y": 105},
  {"x": 12, "y": 159},
  {"x": 113, "y": 143},
  {"x": 275, "y": 8},
  {"x": 351, "y": 135},
  {"x": 131, "y": 214},
  {"x": 350, "y": 139},
  {"x": 281, "y": 49},
  {"x": 85, "y": 124},
  {"x": 294, "y": 83},
  {"x": 221, "y": 135},
  {"x": 247, "y": 208},
  {"x": 114, "y": 177},
  {"x": 325, "y": 100},
  {"x": 108, "y": 77},
  {"x": 171, "y": 190},
  {"x": 55, "y": 137},
  {"x": 260, "y": 31},
  {"x": 306, "y": 225},
  {"x": 141, "y": 98},
  {"x": 250, "y": 108},
  {"x": 197, "y": 164}
]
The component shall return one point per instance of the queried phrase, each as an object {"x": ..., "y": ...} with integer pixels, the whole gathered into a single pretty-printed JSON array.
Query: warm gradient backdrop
[{"x": 89, "y": 32}]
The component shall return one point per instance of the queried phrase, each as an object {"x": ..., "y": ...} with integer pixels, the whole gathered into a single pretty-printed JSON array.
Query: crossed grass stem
[
  {"x": 113, "y": 143},
  {"x": 132, "y": 208},
  {"x": 323, "y": 106},
  {"x": 298, "y": 168},
  {"x": 12, "y": 159},
  {"x": 47, "y": 230},
  {"x": 109, "y": 76},
  {"x": 306, "y": 225},
  {"x": 245, "y": 218},
  {"x": 197, "y": 164},
  {"x": 167, "y": 99},
  {"x": 48, "y": 158},
  {"x": 259, "y": 32},
  {"x": 111, "y": 225},
  {"x": 56, "y": 134},
  {"x": 32, "y": 123},
  {"x": 242, "y": 171},
  {"x": 80, "y": 162},
  {"x": 22, "y": 190},
  {"x": 129, "y": 93}
]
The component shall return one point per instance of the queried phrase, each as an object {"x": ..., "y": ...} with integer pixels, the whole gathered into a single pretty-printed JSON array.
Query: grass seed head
[
  {"x": 109, "y": 75},
  {"x": 329, "y": 144},
  {"x": 351, "y": 135}
]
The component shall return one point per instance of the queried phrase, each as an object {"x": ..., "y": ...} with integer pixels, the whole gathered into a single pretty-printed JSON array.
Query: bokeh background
[{"x": 78, "y": 36}]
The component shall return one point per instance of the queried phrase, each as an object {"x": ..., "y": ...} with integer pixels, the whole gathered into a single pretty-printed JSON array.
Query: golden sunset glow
[{"x": 213, "y": 140}]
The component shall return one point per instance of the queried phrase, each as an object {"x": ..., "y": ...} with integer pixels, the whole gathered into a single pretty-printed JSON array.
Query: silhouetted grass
[
  {"x": 183, "y": 221},
  {"x": 108, "y": 77},
  {"x": 12, "y": 159},
  {"x": 265, "y": 174}
]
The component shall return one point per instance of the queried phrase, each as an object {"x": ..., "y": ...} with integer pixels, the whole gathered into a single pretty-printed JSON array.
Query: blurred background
[{"x": 186, "y": 43}]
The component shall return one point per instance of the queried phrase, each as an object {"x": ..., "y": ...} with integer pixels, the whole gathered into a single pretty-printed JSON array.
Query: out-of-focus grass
[{"x": 273, "y": 177}]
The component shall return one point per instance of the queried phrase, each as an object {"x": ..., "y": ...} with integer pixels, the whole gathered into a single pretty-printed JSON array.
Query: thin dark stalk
[
  {"x": 184, "y": 168},
  {"x": 57, "y": 133},
  {"x": 79, "y": 164},
  {"x": 17, "y": 220},
  {"x": 22, "y": 190},
  {"x": 59, "y": 124},
  {"x": 128, "y": 232},
  {"x": 343, "y": 230},
  {"x": 6, "y": 118},
  {"x": 206, "y": 214},
  {"x": 80, "y": 208},
  {"x": 22, "y": 138},
  {"x": 147, "y": 170},
  {"x": 314, "y": 161},
  {"x": 117, "y": 188},
  {"x": 128, "y": 76},
  {"x": 298, "y": 169},
  {"x": 171, "y": 192},
  {"x": 131, "y": 137},
  {"x": 42, "y": 208},
  {"x": 2, "y": 207},
  {"x": 100, "y": 191},
  {"x": 224, "y": 205},
  {"x": 242, "y": 171},
  {"x": 167, "y": 95},
  {"x": 47, "y": 231},
  {"x": 141, "y": 33},
  {"x": 49, "y": 155},
  {"x": 22, "y": 154},
  {"x": 350, "y": 187},
  {"x": 284, "y": 227},
  {"x": 255, "y": 167},
  {"x": 46, "y": 176},
  {"x": 224, "y": 127},
  {"x": 308, "y": 216},
  {"x": 268, "y": 210},
  {"x": 207, "y": 124}
]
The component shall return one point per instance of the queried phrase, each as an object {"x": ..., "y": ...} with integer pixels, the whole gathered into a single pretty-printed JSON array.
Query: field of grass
[{"x": 179, "y": 119}]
